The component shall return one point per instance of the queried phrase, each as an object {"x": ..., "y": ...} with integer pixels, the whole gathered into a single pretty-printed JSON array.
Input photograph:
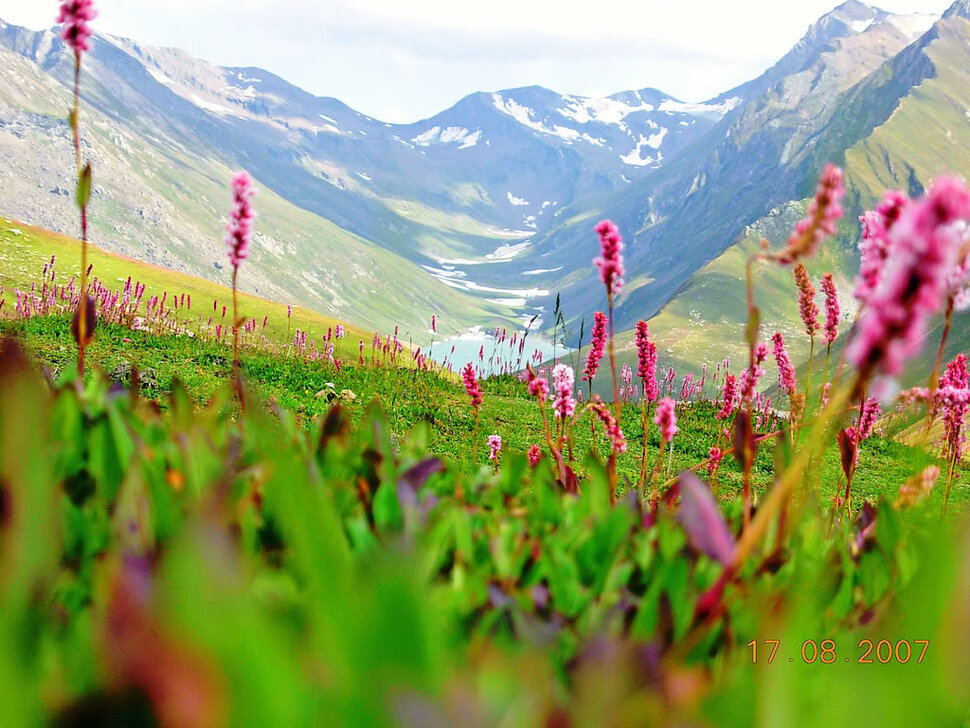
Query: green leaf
[{"x": 84, "y": 187}]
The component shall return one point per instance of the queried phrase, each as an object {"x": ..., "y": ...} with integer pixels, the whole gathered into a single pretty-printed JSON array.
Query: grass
[{"x": 411, "y": 397}]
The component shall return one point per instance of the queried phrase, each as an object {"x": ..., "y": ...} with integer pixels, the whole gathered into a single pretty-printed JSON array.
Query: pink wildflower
[
  {"x": 471, "y": 386},
  {"x": 495, "y": 447},
  {"x": 241, "y": 218},
  {"x": 730, "y": 394},
  {"x": 786, "y": 371},
  {"x": 823, "y": 213},
  {"x": 666, "y": 419},
  {"x": 434, "y": 324},
  {"x": 597, "y": 346},
  {"x": 610, "y": 261},
  {"x": 924, "y": 244},
  {"x": 647, "y": 363},
  {"x": 539, "y": 388},
  {"x": 951, "y": 395},
  {"x": 562, "y": 381},
  {"x": 714, "y": 460},
  {"x": 75, "y": 16},
  {"x": 868, "y": 415},
  {"x": 749, "y": 380},
  {"x": 611, "y": 425},
  {"x": 874, "y": 246},
  {"x": 832, "y": 311},
  {"x": 535, "y": 455},
  {"x": 806, "y": 300}
]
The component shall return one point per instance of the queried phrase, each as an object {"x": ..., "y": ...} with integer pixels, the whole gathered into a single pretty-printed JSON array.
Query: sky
[{"x": 404, "y": 61}]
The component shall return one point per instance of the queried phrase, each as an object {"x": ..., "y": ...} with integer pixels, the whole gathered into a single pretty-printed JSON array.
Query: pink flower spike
[
  {"x": 823, "y": 214},
  {"x": 806, "y": 300},
  {"x": 610, "y": 261},
  {"x": 535, "y": 455},
  {"x": 75, "y": 16},
  {"x": 597, "y": 346},
  {"x": 666, "y": 419},
  {"x": 471, "y": 386},
  {"x": 240, "y": 228},
  {"x": 495, "y": 447},
  {"x": 730, "y": 395},
  {"x": 832, "y": 312},
  {"x": 786, "y": 371},
  {"x": 563, "y": 380},
  {"x": 611, "y": 425}
]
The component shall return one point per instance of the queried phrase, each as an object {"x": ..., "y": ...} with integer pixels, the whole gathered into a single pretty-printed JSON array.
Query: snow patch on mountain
[
  {"x": 449, "y": 135},
  {"x": 212, "y": 108},
  {"x": 604, "y": 111},
  {"x": 715, "y": 112},
  {"x": 913, "y": 25},
  {"x": 159, "y": 76},
  {"x": 526, "y": 116},
  {"x": 636, "y": 158}
]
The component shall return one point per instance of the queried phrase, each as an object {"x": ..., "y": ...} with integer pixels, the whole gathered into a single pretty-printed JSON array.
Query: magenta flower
[
  {"x": 823, "y": 214},
  {"x": 868, "y": 415},
  {"x": 924, "y": 244},
  {"x": 786, "y": 371},
  {"x": 75, "y": 16},
  {"x": 611, "y": 425},
  {"x": 563, "y": 380},
  {"x": 749, "y": 380},
  {"x": 874, "y": 247},
  {"x": 714, "y": 460},
  {"x": 647, "y": 362},
  {"x": 495, "y": 447},
  {"x": 666, "y": 419},
  {"x": 434, "y": 324},
  {"x": 535, "y": 455},
  {"x": 832, "y": 312},
  {"x": 539, "y": 388},
  {"x": 471, "y": 386},
  {"x": 952, "y": 398},
  {"x": 597, "y": 346},
  {"x": 806, "y": 300},
  {"x": 610, "y": 261},
  {"x": 241, "y": 218},
  {"x": 730, "y": 394}
]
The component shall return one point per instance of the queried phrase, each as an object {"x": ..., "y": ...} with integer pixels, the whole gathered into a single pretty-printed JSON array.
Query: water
[{"x": 497, "y": 356}]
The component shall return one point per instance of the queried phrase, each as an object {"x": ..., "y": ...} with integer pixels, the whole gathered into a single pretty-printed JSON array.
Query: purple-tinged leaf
[
  {"x": 703, "y": 521},
  {"x": 415, "y": 477}
]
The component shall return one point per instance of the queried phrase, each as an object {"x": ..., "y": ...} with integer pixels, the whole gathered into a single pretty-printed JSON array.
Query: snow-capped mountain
[{"x": 485, "y": 208}]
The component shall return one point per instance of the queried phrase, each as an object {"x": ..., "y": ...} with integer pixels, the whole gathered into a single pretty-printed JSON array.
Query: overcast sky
[{"x": 404, "y": 60}]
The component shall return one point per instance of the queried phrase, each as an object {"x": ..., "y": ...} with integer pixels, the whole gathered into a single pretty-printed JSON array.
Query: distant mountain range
[{"x": 484, "y": 212}]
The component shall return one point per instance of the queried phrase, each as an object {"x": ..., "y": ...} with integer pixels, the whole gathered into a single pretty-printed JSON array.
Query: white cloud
[{"x": 404, "y": 61}]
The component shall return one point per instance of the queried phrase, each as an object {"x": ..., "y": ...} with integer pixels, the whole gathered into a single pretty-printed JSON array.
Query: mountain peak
[{"x": 959, "y": 9}]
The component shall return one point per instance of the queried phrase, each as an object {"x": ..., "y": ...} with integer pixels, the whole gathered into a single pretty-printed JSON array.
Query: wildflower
[
  {"x": 786, "y": 371},
  {"x": 832, "y": 312},
  {"x": 610, "y": 261},
  {"x": 806, "y": 300},
  {"x": 823, "y": 213},
  {"x": 647, "y": 362},
  {"x": 749, "y": 380},
  {"x": 562, "y": 381},
  {"x": 539, "y": 388},
  {"x": 869, "y": 413},
  {"x": 339, "y": 331},
  {"x": 240, "y": 219},
  {"x": 730, "y": 394},
  {"x": 471, "y": 386},
  {"x": 434, "y": 324},
  {"x": 918, "y": 487},
  {"x": 495, "y": 447},
  {"x": 952, "y": 396},
  {"x": 874, "y": 246},
  {"x": 924, "y": 244},
  {"x": 611, "y": 425},
  {"x": 666, "y": 419},
  {"x": 535, "y": 454},
  {"x": 597, "y": 346},
  {"x": 714, "y": 456},
  {"x": 75, "y": 16}
]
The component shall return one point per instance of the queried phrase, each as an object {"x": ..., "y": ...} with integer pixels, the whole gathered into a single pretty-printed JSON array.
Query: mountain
[{"x": 482, "y": 213}]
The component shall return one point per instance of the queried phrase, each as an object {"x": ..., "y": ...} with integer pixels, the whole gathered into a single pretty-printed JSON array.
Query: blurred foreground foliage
[{"x": 183, "y": 566}]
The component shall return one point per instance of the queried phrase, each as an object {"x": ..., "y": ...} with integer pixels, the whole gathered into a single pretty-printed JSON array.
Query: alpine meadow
[{"x": 547, "y": 410}]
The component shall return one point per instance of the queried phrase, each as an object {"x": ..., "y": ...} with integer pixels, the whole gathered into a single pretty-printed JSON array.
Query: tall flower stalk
[
  {"x": 239, "y": 234},
  {"x": 610, "y": 263},
  {"x": 75, "y": 15}
]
